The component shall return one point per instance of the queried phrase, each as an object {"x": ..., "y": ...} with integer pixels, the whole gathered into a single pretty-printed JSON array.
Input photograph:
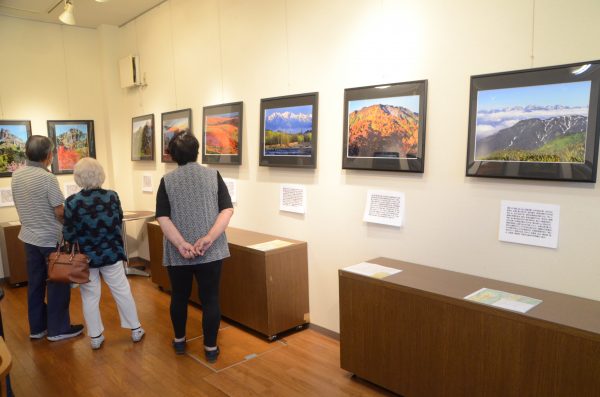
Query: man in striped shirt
[{"x": 39, "y": 203}]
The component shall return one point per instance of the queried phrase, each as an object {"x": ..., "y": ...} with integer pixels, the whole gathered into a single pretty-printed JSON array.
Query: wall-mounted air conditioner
[{"x": 129, "y": 69}]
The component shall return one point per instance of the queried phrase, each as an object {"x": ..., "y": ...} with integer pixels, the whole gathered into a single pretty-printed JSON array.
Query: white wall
[
  {"x": 199, "y": 53},
  {"x": 49, "y": 72}
]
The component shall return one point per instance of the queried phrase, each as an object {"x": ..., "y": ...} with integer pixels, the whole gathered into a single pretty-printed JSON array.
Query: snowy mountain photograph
[
  {"x": 542, "y": 123},
  {"x": 288, "y": 131}
]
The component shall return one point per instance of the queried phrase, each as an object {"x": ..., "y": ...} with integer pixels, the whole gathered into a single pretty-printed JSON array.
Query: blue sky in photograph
[
  {"x": 62, "y": 128},
  {"x": 291, "y": 120},
  {"x": 139, "y": 124},
  {"x": 17, "y": 130},
  {"x": 305, "y": 109},
  {"x": 180, "y": 122},
  {"x": 566, "y": 94},
  {"x": 411, "y": 102},
  {"x": 232, "y": 114}
]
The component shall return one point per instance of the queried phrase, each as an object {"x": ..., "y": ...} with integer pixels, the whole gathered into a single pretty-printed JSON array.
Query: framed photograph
[
  {"x": 535, "y": 124},
  {"x": 222, "y": 134},
  {"x": 142, "y": 138},
  {"x": 384, "y": 127},
  {"x": 13, "y": 136},
  {"x": 73, "y": 140},
  {"x": 288, "y": 131},
  {"x": 173, "y": 123}
]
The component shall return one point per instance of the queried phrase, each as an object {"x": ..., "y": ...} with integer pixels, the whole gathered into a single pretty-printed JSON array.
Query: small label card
[
  {"x": 232, "y": 188},
  {"x": 384, "y": 207},
  {"x": 147, "y": 183},
  {"x": 71, "y": 188},
  {"x": 529, "y": 223},
  {"x": 372, "y": 270},
  {"x": 6, "y": 198},
  {"x": 292, "y": 198},
  {"x": 270, "y": 245},
  {"x": 504, "y": 300}
]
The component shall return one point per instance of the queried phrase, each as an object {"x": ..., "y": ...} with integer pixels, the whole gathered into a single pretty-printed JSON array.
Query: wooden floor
[{"x": 304, "y": 363}]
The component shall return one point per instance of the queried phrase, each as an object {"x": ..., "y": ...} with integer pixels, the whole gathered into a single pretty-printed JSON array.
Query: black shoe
[
  {"x": 179, "y": 347},
  {"x": 211, "y": 355},
  {"x": 72, "y": 332}
]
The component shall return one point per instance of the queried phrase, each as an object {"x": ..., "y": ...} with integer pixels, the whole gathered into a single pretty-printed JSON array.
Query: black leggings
[{"x": 208, "y": 277}]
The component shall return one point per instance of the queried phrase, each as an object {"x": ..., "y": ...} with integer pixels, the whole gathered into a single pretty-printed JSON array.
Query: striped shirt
[{"x": 35, "y": 193}]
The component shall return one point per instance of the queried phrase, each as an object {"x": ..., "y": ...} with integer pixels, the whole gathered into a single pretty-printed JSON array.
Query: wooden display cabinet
[
  {"x": 155, "y": 246},
  {"x": 13, "y": 253},
  {"x": 266, "y": 291},
  {"x": 414, "y": 334}
]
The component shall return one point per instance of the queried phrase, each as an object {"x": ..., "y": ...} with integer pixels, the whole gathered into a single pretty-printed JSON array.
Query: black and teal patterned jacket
[{"x": 93, "y": 217}]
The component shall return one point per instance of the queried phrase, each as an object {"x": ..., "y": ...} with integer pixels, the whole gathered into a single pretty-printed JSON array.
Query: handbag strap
[
  {"x": 59, "y": 245},
  {"x": 75, "y": 248}
]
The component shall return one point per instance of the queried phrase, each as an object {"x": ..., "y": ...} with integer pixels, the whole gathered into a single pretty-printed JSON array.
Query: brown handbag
[{"x": 69, "y": 267}]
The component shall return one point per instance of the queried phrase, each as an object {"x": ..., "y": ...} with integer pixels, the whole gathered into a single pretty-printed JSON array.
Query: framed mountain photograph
[
  {"x": 222, "y": 134},
  {"x": 172, "y": 124},
  {"x": 13, "y": 136},
  {"x": 288, "y": 131},
  {"x": 384, "y": 127},
  {"x": 73, "y": 140},
  {"x": 142, "y": 138},
  {"x": 535, "y": 123}
]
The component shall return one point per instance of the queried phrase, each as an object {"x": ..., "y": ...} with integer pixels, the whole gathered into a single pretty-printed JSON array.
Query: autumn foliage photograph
[
  {"x": 221, "y": 134},
  {"x": 72, "y": 144},
  {"x": 384, "y": 127}
]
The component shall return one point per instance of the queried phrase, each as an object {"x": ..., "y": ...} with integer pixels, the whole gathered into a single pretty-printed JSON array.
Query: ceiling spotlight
[
  {"x": 101, "y": 1},
  {"x": 67, "y": 15}
]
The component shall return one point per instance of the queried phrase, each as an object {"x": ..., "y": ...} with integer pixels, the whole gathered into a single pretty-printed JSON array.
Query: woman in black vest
[{"x": 193, "y": 208}]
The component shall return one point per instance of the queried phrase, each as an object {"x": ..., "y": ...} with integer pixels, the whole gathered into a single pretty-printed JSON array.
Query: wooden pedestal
[
  {"x": 266, "y": 291},
  {"x": 13, "y": 253},
  {"x": 413, "y": 333},
  {"x": 155, "y": 246}
]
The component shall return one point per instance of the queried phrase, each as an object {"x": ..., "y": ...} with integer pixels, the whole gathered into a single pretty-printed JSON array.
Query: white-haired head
[{"x": 89, "y": 173}]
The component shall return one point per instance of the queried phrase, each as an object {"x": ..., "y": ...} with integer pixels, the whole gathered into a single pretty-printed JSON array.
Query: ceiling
[{"x": 88, "y": 13}]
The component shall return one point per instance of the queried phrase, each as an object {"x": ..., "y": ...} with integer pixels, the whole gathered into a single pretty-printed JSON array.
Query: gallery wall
[
  {"x": 50, "y": 72},
  {"x": 200, "y": 53}
]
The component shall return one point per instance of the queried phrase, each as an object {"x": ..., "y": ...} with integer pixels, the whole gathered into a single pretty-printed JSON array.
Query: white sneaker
[
  {"x": 137, "y": 334},
  {"x": 97, "y": 342},
  {"x": 39, "y": 335}
]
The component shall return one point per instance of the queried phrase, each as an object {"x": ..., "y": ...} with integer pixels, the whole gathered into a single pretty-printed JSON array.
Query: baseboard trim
[{"x": 324, "y": 331}]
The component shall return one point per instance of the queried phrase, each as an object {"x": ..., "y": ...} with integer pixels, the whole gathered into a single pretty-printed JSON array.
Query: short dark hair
[
  {"x": 183, "y": 148},
  {"x": 38, "y": 147}
]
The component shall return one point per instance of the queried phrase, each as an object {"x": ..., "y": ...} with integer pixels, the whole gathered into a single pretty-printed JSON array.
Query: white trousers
[{"x": 114, "y": 276}]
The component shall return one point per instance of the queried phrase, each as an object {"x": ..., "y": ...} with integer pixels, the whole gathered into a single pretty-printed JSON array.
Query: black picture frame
[
  {"x": 397, "y": 144},
  {"x": 222, "y": 132},
  {"x": 13, "y": 136},
  {"x": 169, "y": 128},
  {"x": 142, "y": 138},
  {"x": 537, "y": 123},
  {"x": 73, "y": 140},
  {"x": 297, "y": 133}
]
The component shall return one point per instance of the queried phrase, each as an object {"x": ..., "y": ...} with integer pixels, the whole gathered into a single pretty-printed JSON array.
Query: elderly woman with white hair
[{"x": 93, "y": 218}]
